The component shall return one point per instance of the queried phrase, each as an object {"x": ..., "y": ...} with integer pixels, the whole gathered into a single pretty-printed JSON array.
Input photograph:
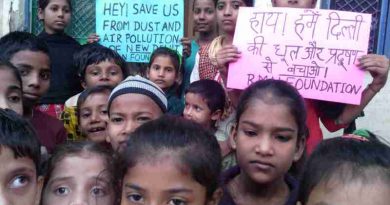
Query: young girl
[
  {"x": 92, "y": 113},
  {"x": 80, "y": 173},
  {"x": 376, "y": 65},
  {"x": 171, "y": 161},
  {"x": 204, "y": 16},
  {"x": 268, "y": 137},
  {"x": 10, "y": 88},
  {"x": 56, "y": 15},
  {"x": 164, "y": 70},
  {"x": 347, "y": 170}
]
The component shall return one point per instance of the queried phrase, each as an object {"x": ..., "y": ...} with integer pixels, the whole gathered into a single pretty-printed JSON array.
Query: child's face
[
  {"x": 56, "y": 16},
  {"x": 196, "y": 109},
  {"x": 162, "y": 72},
  {"x": 19, "y": 184},
  {"x": 353, "y": 192},
  {"x": 266, "y": 141},
  {"x": 204, "y": 15},
  {"x": 79, "y": 179},
  {"x": 94, "y": 117},
  {"x": 128, "y": 112},
  {"x": 227, "y": 12},
  {"x": 10, "y": 91},
  {"x": 294, "y": 4},
  {"x": 162, "y": 181},
  {"x": 34, "y": 67},
  {"x": 103, "y": 73}
]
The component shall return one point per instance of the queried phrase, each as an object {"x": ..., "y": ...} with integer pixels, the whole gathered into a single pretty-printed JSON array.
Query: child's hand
[
  {"x": 224, "y": 56},
  {"x": 92, "y": 38},
  {"x": 186, "y": 42},
  {"x": 378, "y": 66}
]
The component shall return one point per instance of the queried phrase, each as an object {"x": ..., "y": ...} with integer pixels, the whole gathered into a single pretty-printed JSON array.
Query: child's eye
[
  {"x": 62, "y": 191},
  {"x": 19, "y": 182},
  {"x": 282, "y": 138},
  {"x": 23, "y": 72},
  {"x": 220, "y": 6},
  {"x": 54, "y": 8},
  {"x": 137, "y": 198},
  {"x": 113, "y": 72},
  {"x": 104, "y": 112},
  {"x": 197, "y": 11},
  {"x": 250, "y": 133},
  {"x": 98, "y": 191},
  {"x": 177, "y": 202},
  {"x": 85, "y": 115},
  {"x": 95, "y": 73},
  {"x": 116, "y": 120},
  {"x": 44, "y": 75},
  {"x": 209, "y": 11},
  {"x": 143, "y": 119},
  {"x": 236, "y": 5},
  {"x": 14, "y": 98}
]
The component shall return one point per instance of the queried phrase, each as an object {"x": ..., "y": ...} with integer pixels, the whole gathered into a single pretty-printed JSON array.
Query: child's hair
[
  {"x": 79, "y": 148},
  {"x": 194, "y": 147},
  {"x": 95, "y": 53},
  {"x": 18, "y": 134},
  {"x": 19, "y": 41},
  {"x": 42, "y": 4},
  {"x": 164, "y": 51},
  {"x": 274, "y": 92},
  {"x": 5, "y": 65},
  {"x": 345, "y": 160},
  {"x": 248, "y": 3},
  {"x": 211, "y": 91},
  {"x": 90, "y": 91}
]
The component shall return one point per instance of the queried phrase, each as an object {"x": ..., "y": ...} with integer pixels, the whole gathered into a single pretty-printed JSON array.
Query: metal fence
[{"x": 83, "y": 19}]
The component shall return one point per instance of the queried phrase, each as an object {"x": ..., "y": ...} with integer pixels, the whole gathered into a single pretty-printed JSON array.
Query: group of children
[{"x": 174, "y": 136}]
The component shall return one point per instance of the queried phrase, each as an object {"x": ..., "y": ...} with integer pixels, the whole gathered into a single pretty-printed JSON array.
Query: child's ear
[
  {"x": 233, "y": 137},
  {"x": 38, "y": 194},
  {"x": 300, "y": 149},
  {"x": 41, "y": 16},
  {"x": 216, "y": 115},
  {"x": 83, "y": 84},
  {"x": 179, "y": 78},
  {"x": 215, "y": 198}
]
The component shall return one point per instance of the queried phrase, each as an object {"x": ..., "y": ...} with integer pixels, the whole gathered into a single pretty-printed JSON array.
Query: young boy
[
  {"x": 30, "y": 56},
  {"x": 204, "y": 103},
  {"x": 132, "y": 103},
  {"x": 20, "y": 182},
  {"x": 97, "y": 65}
]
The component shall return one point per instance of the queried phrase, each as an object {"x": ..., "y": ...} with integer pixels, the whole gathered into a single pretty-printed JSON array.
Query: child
[
  {"x": 171, "y": 161},
  {"x": 92, "y": 113},
  {"x": 377, "y": 65},
  {"x": 10, "y": 88},
  {"x": 30, "y": 55},
  {"x": 133, "y": 102},
  {"x": 268, "y": 137},
  {"x": 164, "y": 70},
  {"x": 204, "y": 16},
  {"x": 352, "y": 170},
  {"x": 20, "y": 180},
  {"x": 56, "y": 16},
  {"x": 97, "y": 65},
  {"x": 204, "y": 103},
  {"x": 81, "y": 173}
]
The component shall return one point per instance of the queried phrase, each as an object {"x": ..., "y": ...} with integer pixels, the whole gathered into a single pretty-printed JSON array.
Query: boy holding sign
[{"x": 377, "y": 65}]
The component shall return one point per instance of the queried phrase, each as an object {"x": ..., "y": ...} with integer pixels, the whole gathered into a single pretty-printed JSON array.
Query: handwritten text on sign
[
  {"x": 135, "y": 28},
  {"x": 314, "y": 50}
]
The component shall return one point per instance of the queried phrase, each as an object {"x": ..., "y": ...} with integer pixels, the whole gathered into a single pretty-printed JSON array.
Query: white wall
[{"x": 11, "y": 19}]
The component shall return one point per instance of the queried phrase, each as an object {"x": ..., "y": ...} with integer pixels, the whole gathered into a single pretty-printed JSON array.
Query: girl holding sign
[{"x": 377, "y": 65}]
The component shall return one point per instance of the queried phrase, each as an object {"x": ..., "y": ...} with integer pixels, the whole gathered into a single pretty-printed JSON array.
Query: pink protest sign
[{"x": 316, "y": 51}]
